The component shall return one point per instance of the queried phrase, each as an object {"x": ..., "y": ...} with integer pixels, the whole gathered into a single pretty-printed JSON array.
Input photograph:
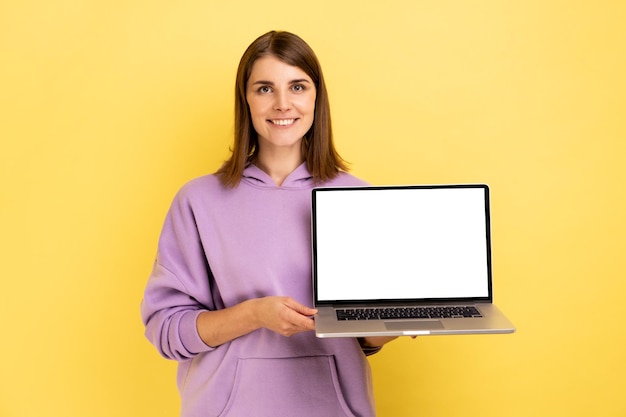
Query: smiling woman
[
  {"x": 281, "y": 99},
  {"x": 228, "y": 297},
  {"x": 299, "y": 67}
]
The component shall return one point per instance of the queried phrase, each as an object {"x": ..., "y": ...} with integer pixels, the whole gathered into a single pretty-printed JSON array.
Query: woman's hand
[
  {"x": 377, "y": 341},
  {"x": 284, "y": 315}
]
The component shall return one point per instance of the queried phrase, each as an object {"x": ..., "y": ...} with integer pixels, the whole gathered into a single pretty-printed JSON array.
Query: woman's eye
[
  {"x": 298, "y": 88},
  {"x": 265, "y": 89}
]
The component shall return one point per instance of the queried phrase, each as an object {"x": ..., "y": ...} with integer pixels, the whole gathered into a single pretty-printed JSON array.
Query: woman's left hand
[{"x": 376, "y": 341}]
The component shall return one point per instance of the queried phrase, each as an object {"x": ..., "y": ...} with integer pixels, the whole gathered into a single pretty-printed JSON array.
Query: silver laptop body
[{"x": 403, "y": 260}]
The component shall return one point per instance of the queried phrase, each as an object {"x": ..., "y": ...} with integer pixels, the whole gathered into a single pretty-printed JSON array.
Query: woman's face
[{"x": 281, "y": 99}]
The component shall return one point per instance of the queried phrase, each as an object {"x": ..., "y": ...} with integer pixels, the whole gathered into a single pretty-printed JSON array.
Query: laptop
[{"x": 403, "y": 261}]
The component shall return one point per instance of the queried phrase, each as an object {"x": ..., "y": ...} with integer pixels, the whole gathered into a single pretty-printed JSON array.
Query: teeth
[{"x": 283, "y": 122}]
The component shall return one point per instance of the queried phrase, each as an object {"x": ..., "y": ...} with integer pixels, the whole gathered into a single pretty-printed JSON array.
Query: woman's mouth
[{"x": 282, "y": 122}]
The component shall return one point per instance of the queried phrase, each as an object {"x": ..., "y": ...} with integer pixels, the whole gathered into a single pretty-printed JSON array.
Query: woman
[{"x": 228, "y": 297}]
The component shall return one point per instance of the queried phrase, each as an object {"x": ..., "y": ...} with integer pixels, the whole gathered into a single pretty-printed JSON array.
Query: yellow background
[{"x": 108, "y": 107}]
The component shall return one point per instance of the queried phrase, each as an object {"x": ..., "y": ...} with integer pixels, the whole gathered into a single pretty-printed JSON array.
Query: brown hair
[{"x": 320, "y": 155}]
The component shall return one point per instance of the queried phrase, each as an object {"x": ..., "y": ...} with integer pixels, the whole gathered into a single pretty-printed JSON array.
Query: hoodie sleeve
[{"x": 178, "y": 289}]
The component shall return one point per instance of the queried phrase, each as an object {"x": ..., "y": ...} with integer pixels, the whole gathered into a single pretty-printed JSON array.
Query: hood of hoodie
[{"x": 298, "y": 178}]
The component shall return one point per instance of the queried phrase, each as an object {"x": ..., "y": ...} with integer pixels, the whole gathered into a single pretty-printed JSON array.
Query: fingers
[
  {"x": 378, "y": 340},
  {"x": 299, "y": 308},
  {"x": 287, "y": 317},
  {"x": 294, "y": 322},
  {"x": 297, "y": 317}
]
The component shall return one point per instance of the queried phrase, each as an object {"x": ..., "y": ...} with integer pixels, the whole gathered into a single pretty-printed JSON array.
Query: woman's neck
[{"x": 278, "y": 165}]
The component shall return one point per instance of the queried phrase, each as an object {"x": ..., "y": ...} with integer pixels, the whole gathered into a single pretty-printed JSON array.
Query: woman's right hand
[{"x": 284, "y": 315}]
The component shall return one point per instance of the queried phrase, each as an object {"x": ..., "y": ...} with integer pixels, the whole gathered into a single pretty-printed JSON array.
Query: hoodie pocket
[{"x": 286, "y": 387}]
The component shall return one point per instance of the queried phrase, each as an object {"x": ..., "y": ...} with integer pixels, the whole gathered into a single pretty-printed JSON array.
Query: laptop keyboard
[{"x": 390, "y": 313}]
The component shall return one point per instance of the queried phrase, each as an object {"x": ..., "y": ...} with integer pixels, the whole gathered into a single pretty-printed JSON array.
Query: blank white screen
[{"x": 401, "y": 243}]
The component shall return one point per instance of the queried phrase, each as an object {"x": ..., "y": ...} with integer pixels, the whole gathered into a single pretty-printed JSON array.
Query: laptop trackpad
[{"x": 414, "y": 325}]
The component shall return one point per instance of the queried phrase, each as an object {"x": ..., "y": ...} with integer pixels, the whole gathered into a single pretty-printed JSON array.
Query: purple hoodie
[{"x": 219, "y": 247}]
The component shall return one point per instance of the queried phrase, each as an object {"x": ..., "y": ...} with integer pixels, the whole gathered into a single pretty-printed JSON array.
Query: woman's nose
[{"x": 282, "y": 101}]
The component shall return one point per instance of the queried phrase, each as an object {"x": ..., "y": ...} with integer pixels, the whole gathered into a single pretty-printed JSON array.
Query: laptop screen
[{"x": 401, "y": 243}]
